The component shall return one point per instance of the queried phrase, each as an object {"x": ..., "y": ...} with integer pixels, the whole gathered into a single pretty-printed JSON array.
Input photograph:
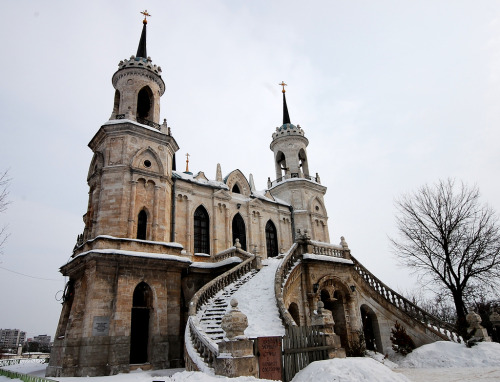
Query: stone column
[
  {"x": 155, "y": 212},
  {"x": 97, "y": 208},
  {"x": 228, "y": 239},
  {"x": 131, "y": 208},
  {"x": 213, "y": 224},
  {"x": 189, "y": 246},
  {"x": 236, "y": 356},
  {"x": 262, "y": 237}
]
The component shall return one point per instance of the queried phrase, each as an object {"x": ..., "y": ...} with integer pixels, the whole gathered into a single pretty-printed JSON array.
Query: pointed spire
[
  {"x": 218, "y": 175},
  {"x": 252, "y": 183},
  {"x": 141, "y": 50},
  {"x": 286, "y": 116}
]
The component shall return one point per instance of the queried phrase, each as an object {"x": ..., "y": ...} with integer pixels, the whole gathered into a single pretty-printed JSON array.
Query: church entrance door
[{"x": 139, "y": 328}]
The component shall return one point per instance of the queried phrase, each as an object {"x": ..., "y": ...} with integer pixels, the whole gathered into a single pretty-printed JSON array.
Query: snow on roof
[
  {"x": 168, "y": 244},
  {"x": 292, "y": 180},
  {"x": 326, "y": 258},
  {"x": 118, "y": 121},
  {"x": 134, "y": 253},
  {"x": 262, "y": 195},
  {"x": 201, "y": 180},
  {"x": 229, "y": 260}
]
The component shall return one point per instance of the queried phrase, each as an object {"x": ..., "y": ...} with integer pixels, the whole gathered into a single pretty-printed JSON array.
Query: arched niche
[
  {"x": 142, "y": 306},
  {"x": 303, "y": 165},
  {"x": 142, "y": 224},
  {"x": 147, "y": 159},
  {"x": 294, "y": 311},
  {"x": 239, "y": 231},
  {"x": 371, "y": 329}
]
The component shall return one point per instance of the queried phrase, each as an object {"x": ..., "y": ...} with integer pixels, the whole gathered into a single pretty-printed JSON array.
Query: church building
[{"x": 152, "y": 230}]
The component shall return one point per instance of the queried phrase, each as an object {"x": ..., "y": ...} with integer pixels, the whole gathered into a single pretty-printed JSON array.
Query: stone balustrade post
[
  {"x": 323, "y": 318},
  {"x": 476, "y": 330},
  {"x": 236, "y": 356}
]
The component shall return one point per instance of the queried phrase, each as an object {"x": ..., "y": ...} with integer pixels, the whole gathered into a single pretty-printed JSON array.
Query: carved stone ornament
[{"x": 234, "y": 322}]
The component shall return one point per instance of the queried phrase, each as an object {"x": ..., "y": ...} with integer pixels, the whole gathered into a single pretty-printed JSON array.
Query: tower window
[
  {"x": 236, "y": 189},
  {"x": 144, "y": 102},
  {"x": 201, "y": 233},
  {"x": 142, "y": 223}
]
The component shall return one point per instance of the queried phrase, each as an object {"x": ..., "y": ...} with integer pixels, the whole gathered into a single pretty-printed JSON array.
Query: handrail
[
  {"x": 207, "y": 349},
  {"x": 288, "y": 263},
  {"x": 443, "y": 329}
]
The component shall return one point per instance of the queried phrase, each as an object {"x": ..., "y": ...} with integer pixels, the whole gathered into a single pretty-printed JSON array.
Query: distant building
[
  {"x": 42, "y": 339},
  {"x": 11, "y": 338}
]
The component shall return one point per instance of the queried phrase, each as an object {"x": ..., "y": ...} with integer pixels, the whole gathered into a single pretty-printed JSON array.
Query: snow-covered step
[{"x": 210, "y": 317}]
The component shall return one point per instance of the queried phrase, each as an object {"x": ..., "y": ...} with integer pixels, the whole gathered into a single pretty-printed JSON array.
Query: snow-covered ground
[{"x": 438, "y": 362}]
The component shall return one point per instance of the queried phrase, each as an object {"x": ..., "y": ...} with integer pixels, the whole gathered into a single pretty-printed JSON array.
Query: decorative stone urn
[
  {"x": 234, "y": 322},
  {"x": 236, "y": 356}
]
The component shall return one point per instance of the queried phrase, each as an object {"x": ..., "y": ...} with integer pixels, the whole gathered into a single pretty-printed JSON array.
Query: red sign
[{"x": 269, "y": 350}]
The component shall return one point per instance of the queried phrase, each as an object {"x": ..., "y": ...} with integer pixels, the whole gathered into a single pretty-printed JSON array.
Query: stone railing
[
  {"x": 206, "y": 348},
  {"x": 293, "y": 175},
  {"x": 437, "y": 326},
  {"x": 147, "y": 122},
  {"x": 332, "y": 250},
  {"x": 292, "y": 258}
]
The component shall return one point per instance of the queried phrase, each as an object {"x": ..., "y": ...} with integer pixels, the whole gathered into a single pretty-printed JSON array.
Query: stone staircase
[{"x": 210, "y": 316}]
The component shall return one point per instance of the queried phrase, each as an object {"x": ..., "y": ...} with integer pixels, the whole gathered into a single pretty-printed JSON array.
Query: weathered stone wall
[{"x": 104, "y": 287}]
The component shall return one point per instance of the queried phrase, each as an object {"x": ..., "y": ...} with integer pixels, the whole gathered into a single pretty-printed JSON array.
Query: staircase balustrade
[
  {"x": 431, "y": 322},
  {"x": 291, "y": 259},
  {"x": 206, "y": 348}
]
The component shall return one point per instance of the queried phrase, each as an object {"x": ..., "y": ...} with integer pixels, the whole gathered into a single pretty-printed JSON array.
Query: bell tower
[
  {"x": 139, "y": 86},
  {"x": 293, "y": 182},
  {"x": 130, "y": 174}
]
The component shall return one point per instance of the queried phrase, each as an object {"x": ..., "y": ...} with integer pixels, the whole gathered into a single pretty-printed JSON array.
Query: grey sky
[{"x": 391, "y": 95}]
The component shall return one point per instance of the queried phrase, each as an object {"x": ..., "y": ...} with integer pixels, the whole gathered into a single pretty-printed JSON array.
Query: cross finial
[
  {"x": 146, "y": 15},
  {"x": 187, "y": 162},
  {"x": 283, "y": 84}
]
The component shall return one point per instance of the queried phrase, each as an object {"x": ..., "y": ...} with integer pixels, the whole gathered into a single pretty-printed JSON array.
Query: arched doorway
[
  {"x": 201, "y": 231},
  {"x": 271, "y": 239},
  {"x": 294, "y": 312},
  {"x": 139, "y": 328},
  {"x": 239, "y": 231},
  {"x": 336, "y": 305},
  {"x": 142, "y": 224},
  {"x": 371, "y": 330}
]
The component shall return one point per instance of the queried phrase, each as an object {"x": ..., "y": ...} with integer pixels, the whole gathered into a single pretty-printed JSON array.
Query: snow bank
[
  {"x": 451, "y": 355},
  {"x": 348, "y": 370},
  {"x": 256, "y": 300}
]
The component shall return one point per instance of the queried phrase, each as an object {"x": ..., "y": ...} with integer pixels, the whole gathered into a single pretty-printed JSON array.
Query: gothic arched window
[
  {"x": 201, "y": 231},
  {"x": 142, "y": 223},
  {"x": 236, "y": 189},
  {"x": 271, "y": 239}
]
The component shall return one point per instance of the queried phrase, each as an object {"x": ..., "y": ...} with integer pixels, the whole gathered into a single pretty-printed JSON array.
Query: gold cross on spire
[
  {"x": 146, "y": 15},
  {"x": 283, "y": 84},
  {"x": 187, "y": 162}
]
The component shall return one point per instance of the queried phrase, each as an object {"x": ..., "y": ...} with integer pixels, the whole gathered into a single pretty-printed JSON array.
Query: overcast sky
[{"x": 390, "y": 94}]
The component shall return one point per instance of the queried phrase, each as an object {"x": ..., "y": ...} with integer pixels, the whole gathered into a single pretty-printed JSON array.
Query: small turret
[
  {"x": 289, "y": 146},
  {"x": 139, "y": 86}
]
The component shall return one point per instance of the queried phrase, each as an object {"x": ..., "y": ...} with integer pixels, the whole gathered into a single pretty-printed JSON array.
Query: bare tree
[
  {"x": 4, "y": 202},
  {"x": 449, "y": 238}
]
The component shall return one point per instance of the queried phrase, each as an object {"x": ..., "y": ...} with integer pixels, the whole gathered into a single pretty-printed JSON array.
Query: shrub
[{"x": 401, "y": 341}]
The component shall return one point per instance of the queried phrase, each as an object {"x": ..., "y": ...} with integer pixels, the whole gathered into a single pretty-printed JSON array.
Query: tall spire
[
  {"x": 286, "y": 116},
  {"x": 141, "y": 50}
]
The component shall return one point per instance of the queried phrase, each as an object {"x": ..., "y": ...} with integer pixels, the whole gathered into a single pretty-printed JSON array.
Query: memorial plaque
[
  {"x": 269, "y": 349},
  {"x": 100, "y": 326}
]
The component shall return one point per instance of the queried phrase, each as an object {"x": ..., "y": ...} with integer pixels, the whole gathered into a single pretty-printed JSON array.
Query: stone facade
[{"x": 148, "y": 227}]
